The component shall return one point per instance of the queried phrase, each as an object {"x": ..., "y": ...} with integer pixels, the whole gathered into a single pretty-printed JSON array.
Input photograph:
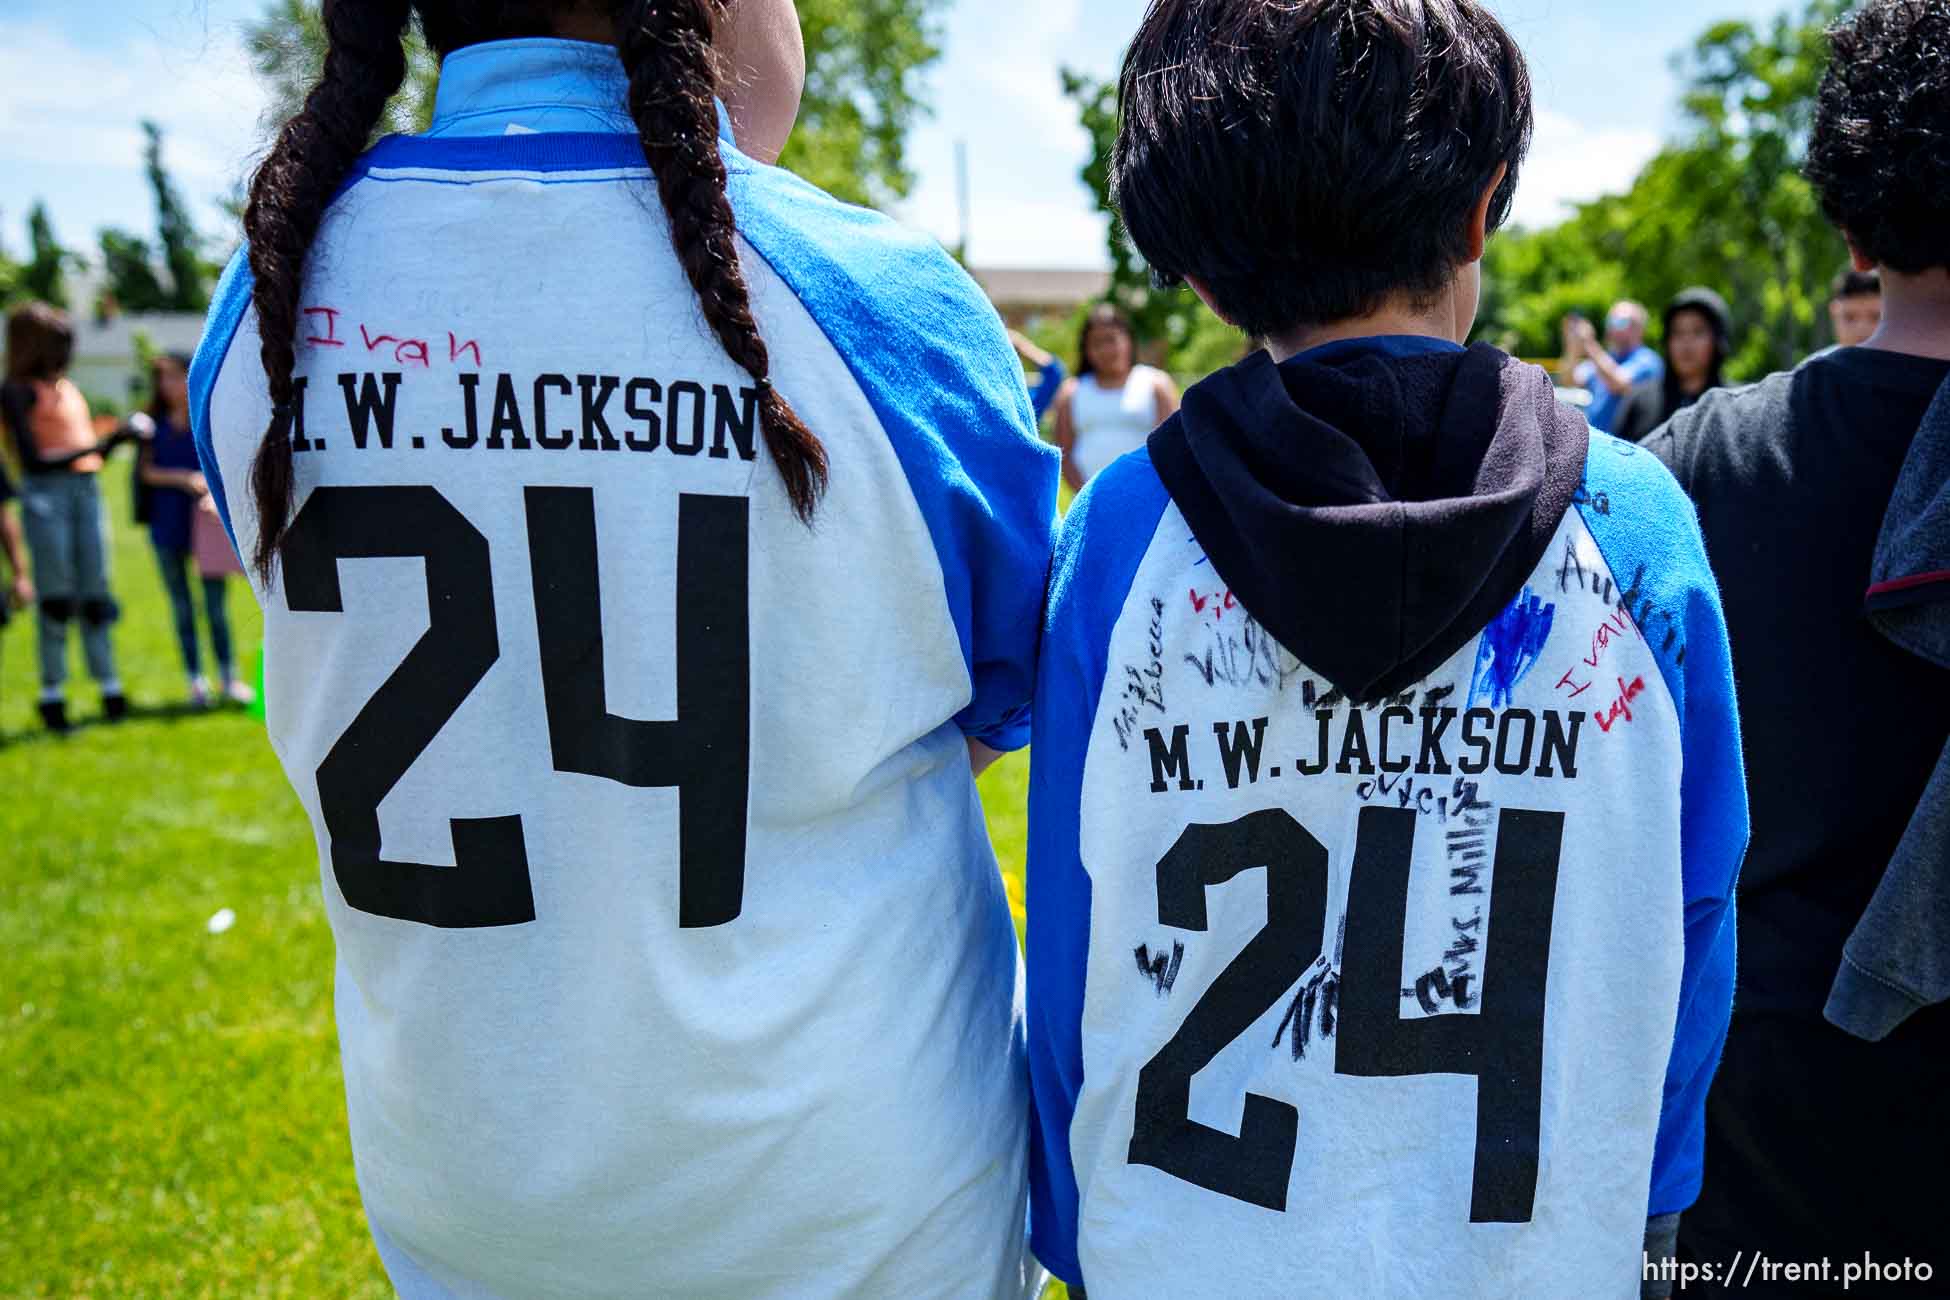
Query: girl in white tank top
[{"x": 1096, "y": 423}]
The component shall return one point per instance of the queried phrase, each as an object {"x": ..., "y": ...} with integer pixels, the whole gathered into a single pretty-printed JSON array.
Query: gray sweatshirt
[{"x": 1897, "y": 960}]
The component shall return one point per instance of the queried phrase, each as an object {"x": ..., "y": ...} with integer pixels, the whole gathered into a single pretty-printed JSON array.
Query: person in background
[
  {"x": 1817, "y": 1141},
  {"x": 1855, "y": 307},
  {"x": 1609, "y": 372},
  {"x": 1699, "y": 335},
  {"x": 1050, "y": 373},
  {"x": 1113, "y": 403},
  {"x": 19, "y": 590},
  {"x": 178, "y": 498},
  {"x": 61, "y": 500}
]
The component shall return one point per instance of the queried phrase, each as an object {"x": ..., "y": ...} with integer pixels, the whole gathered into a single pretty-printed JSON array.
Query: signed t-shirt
[
  {"x": 1419, "y": 997},
  {"x": 672, "y": 955}
]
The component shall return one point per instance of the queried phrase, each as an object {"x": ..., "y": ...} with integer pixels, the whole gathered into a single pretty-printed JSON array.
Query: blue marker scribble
[{"x": 1509, "y": 649}]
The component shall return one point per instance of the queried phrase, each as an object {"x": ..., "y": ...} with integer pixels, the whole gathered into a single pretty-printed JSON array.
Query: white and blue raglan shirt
[
  {"x": 1410, "y": 986},
  {"x": 672, "y": 955}
]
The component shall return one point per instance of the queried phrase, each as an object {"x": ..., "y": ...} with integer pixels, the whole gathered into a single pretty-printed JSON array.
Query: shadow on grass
[{"x": 137, "y": 715}]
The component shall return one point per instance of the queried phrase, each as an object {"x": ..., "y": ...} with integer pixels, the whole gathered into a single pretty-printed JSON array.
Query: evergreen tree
[
  {"x": 189, "y": 274},
  {"x": 45, "y": 275}
]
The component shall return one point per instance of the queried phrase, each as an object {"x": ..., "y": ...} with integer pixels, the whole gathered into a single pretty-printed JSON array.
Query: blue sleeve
[
  {"x": 1102, "y": 543},
  {"x": 1048, "y": 382},
  {"x": 227, "y": 308},
  {"x": 1649, "y": 535},
  {"x": 930, "y": 354},
  {"x": 1646, "y": 365}
]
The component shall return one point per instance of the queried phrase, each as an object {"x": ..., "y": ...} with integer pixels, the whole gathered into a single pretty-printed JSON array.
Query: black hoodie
[{"x": 1374, "y": 512}]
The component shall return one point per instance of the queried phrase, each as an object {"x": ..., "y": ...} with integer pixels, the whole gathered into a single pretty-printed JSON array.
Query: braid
[
  {"x": 666, "y": 50},
  {"x": 364, "y": 65}
]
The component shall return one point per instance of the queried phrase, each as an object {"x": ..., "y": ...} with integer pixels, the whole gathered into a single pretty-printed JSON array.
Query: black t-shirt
[{"x": 1841, "y": 729}]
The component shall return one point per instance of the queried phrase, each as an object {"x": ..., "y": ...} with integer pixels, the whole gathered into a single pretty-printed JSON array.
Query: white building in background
[
  {"x": 1026, "y": 297},
  {"x": 105, "y": 365}
]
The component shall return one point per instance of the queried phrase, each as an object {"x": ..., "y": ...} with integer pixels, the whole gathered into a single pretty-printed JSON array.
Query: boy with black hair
[
  {"x": 1386, "y": 802},
  {"x": 1816, "y": 1141},
  {"x": 1855, "y": 307}
]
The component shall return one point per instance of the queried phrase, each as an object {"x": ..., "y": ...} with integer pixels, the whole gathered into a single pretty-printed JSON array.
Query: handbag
[{"x": 210, "y": 545}]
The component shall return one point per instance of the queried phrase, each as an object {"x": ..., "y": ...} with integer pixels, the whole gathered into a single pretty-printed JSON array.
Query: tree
[
  {"x": 131, "y": 273},
  {"x": 864, "y": 60},
  {"x": 1726, "y": 207},
  {"x": 45, "y": 275},
  {"x": 10, "y": 270},
  {"x": 287, "y": 47},
  {"x": 1199, "y": 341},
  {"x": 189, "y": 274}
]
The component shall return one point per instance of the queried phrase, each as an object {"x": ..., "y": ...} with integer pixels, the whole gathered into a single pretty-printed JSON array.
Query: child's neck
[
  {"x": 1915, "y": 314},
  {"x": 1435, "y": 321}
]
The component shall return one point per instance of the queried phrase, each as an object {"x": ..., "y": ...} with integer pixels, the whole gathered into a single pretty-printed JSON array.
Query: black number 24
[
  {"x": 704, "y": 751},
  {"x": 1502, "y": 1045}
]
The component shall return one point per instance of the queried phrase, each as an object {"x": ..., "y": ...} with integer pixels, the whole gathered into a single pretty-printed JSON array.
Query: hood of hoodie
[{"x": 1374, "y": 512}]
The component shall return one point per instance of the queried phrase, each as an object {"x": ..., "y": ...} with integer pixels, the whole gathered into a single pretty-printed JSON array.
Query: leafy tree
[
  {"x": 1726, "y": 207},
  {"x": 287, "y": 47},
  {"x": 864, "y": 60},
  {"x": 45, "y": 275},
  {"x": 131, "y": 273},
  {"x": 1199, "y": 341},
  {"x": 10, "y": 272},
  {"x": 189, "y": 274}
]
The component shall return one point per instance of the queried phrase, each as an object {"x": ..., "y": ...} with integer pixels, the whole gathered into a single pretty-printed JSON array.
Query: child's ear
[
  {"x": 1856, "y": 258},
  {"x": 1479, "y": 216},
  {"x": 1205, "y": 296}
]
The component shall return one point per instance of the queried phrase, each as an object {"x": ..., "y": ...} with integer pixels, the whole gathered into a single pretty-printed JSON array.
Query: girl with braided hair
[{"x": 647, "y": 544}]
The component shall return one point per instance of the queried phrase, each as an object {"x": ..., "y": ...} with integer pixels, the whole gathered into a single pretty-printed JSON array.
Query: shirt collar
[
  {"x": 532, "y": 85},
  {"x": 537, "y": 84},
  {"x": 1384, "y": 345}
]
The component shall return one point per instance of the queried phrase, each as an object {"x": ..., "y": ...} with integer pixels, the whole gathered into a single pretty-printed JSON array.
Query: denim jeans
[
  {"x": 67, "y": 537},
  {"x": 175, "y": 566}
]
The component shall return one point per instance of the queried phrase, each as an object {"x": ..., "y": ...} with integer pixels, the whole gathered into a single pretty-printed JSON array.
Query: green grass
[{"x": 172, "y": 1121}]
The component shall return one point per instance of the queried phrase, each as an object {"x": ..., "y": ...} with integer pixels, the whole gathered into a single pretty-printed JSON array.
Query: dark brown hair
[
  {"x": 158, "y": 409},
  {"x": 673, "y": 76},
  {"x": 1306, "y": 160},
  {"x": 40, "y": 343},
  {"x": 1879, "y": 156},
  {"x": 1105, "y": 315}
]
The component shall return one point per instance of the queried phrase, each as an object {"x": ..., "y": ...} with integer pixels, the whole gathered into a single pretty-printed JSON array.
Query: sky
[{"x": 76, "y": 80}]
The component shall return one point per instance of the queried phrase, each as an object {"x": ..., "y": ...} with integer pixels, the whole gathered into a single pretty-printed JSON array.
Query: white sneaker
[
  {"x": 199, "y": 693},
  {"x": 238, "y": 693}
]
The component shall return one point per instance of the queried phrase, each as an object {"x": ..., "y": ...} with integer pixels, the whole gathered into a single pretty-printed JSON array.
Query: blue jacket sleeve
[
  {"x": 1048, "y": 382},
  {"x": 1649, "y": 534},
  {"x": 1102, "y": 543},
  {"x": 931, "y": 356}
]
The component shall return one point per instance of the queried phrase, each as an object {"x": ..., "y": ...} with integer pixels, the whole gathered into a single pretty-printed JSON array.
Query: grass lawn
[{"x": 172, "y": 1121}]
